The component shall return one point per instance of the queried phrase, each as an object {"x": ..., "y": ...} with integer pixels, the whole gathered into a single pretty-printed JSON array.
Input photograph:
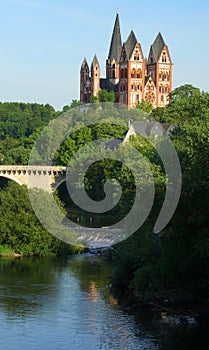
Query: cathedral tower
[
  {"x": 112, "y": 62},
  {"x": 95, "y": 77},
  {"x": 159, "y": 67},
  {"x": 85, "y": 83},
  {"x": 132, "y": 72}
]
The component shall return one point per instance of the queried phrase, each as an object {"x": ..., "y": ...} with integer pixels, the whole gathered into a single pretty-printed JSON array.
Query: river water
[{"x": 66, "y": 304}]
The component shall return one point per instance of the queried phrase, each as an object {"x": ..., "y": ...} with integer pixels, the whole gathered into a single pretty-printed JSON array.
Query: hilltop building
[
  {"x": 145, "y": 128},
  {"x": 129, "y": 74}
]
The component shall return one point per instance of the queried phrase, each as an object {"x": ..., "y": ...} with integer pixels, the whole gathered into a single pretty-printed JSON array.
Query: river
[{"x": 66, "y": 304}]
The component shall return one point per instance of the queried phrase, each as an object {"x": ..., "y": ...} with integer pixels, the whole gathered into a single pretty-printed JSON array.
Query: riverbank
[
  {"x": 169, "y": 307},
  {"x": 178, "y": 306},
  {"x": 7, "y": 251}
]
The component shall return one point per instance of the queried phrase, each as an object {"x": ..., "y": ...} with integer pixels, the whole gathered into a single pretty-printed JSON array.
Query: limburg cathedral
[{"x": 129, "y": 74}]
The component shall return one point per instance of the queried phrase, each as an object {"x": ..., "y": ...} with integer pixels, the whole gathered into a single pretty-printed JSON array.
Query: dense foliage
[
  {"x": 20, "y": 229},
  {"x": 175, "y": 263},
  {"x": 20, "y": 123}
]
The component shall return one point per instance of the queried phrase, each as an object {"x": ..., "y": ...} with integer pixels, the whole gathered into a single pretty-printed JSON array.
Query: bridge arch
[
  {"x": 12, "y": 178},
  {"x": 47, "y": 178},
  {"x": 59, "y": 183}
]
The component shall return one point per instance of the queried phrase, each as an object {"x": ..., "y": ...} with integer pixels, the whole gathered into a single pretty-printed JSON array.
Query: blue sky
[{"x": 43, "y": 42}]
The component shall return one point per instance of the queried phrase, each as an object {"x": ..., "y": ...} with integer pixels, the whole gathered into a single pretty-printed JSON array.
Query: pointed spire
[
  {"x": 84, "y": 65},
  {"x": 157, "y": 47},
  {"x": 116, "y": 42},
  {"x": 130, "y": 44},
  {"x": 95, "y": 63}
]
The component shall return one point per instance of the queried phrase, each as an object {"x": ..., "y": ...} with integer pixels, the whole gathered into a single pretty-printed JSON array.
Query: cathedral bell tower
[
  {"x": 85, "y": 83},
  {"x": 95, "y": 77},
  {"x": 159, "y": 67},
  {"x": 112, "y": 62}
]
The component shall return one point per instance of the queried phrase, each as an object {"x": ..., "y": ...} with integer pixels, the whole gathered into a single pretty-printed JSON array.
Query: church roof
[
  {"x": 84, "y": 65},
  {"x": 146, "y": 128},
  {"x": 116, "y": 42},
  {"x": 95, "y": 62},
  {"x": 106, "y": 84},
  {"x": 147, "y": 78},
  {"x": 113, "y": 144},
  {"x": 130, "y": 44},
  {"x": 157, "y": 47}
]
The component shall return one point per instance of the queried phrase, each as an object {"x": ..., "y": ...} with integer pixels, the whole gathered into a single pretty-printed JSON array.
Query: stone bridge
[{"x": 47, "y": 178}]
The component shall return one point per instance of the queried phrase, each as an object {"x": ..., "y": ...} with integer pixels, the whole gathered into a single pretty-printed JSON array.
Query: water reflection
[
  {"x": 66, "y": 304},
  {"x": 24, "y": 284}
]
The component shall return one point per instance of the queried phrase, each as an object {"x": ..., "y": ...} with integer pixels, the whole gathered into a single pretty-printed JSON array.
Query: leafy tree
[
  {"x": 186, "y": 102},
  {"x": 20, "y": 228},
  {"x": 93, "y": 99},
  {"x": 145, "y": 106},
  {"x": 106, "y": 96},
  {"x": 74, "y": 104},
  {"x": 157, "y": 270},
  {"x": 71, "y": 144}
]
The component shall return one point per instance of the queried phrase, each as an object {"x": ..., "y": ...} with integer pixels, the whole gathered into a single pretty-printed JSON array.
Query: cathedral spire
[
  {"x": 116, "y": 42},
  {"x": 84, "y": 66},
  {"x": 95, "y": 63}
]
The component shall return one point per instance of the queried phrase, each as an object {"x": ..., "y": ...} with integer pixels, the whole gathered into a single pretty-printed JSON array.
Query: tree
[
  {"x": 157, "y": 268},
  {"x": 186, "y": 102},
  {"x": 20, "y": 228},
  {"x": 106, "y": 96},
  {"x": 145, "y": 106},
  {"x": 93, "y": 99},
  {"x": 74, "y": 104}
]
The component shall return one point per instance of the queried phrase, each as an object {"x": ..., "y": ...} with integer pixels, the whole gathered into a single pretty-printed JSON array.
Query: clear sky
[{"x": 43, "y": 42}]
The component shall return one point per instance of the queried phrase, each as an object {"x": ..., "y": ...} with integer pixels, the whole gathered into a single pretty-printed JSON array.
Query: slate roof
[
  {"x": 94, "y": 62},
  {"x": 84, "y": 65},
  {"x": 130, "y": 44},
  {"x": 140, "y": 128},
  {"x": 145, "y": 128},
  {"x": 113, "y": 144},
  {"x": 116, "y": 42},
  {"x": 157, "y": 47},
  {"x": 106, "y": 84}
]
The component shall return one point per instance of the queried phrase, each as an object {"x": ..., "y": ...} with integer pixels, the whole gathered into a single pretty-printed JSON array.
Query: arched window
[
  {"x": 139, "y": 73},
  {"x": 164, "y": 58},
  {"x": 133, "y": 73},
  {"x": 167, "y": 75},
  {"x": 113, "y": 74}
]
